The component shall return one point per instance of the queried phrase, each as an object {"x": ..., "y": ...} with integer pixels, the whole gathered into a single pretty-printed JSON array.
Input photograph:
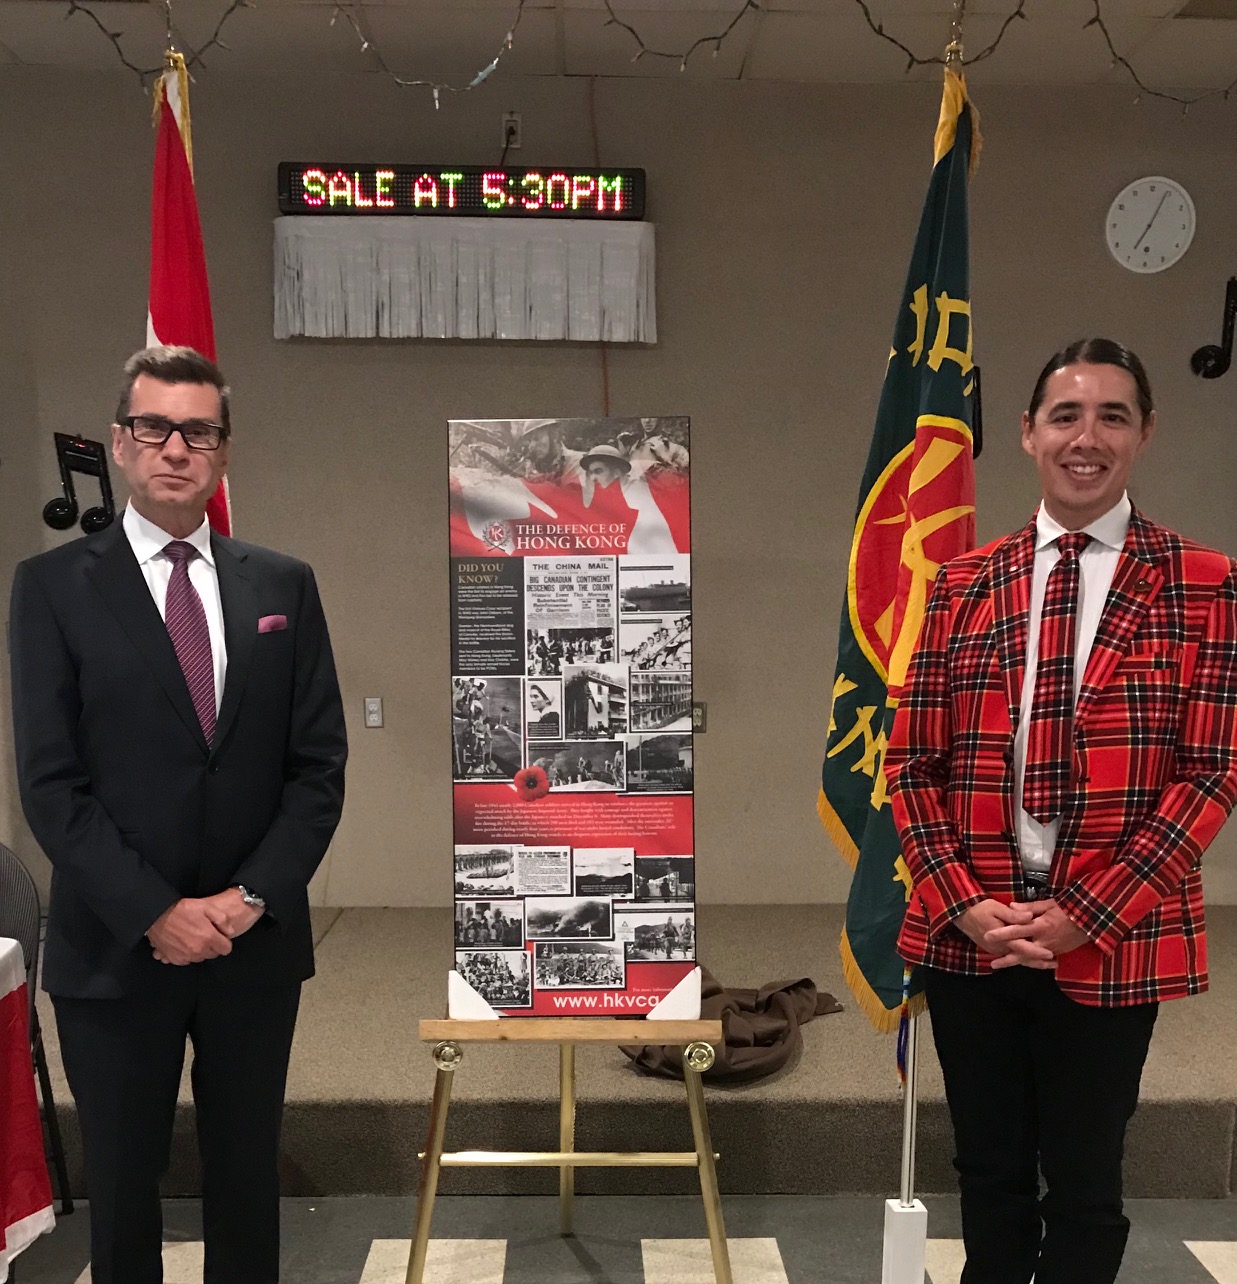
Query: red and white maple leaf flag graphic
[{"x": 179, "y": 311}]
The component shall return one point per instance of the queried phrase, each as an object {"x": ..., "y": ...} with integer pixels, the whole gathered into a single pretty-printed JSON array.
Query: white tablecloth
[{"x": 25, "y": 1190}]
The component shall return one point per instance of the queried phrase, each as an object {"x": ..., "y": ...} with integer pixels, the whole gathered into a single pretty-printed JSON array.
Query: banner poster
[{"x": 571, "y": 688}]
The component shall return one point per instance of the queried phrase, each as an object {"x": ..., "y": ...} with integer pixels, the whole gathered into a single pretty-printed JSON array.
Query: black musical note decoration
[
  {"x": 1214, "y": 360},
  {"x": 79, "y": 455}
]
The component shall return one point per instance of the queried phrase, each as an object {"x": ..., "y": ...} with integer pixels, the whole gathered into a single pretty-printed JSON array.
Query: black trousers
[
  {"x": 1037, "y": 1084},
  {"x": 123, "y": 1060}
]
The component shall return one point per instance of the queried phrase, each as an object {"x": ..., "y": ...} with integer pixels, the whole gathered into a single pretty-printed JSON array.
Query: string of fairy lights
[
  {"x": 953, "y": 54},
  {"x": 194, "y": 58},
  {"x": 437, "y": 87},
  {"x": 680, "y": 56}
]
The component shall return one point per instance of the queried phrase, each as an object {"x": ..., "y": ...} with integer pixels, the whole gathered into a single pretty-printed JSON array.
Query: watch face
[{"x": 1150, "y": 225}]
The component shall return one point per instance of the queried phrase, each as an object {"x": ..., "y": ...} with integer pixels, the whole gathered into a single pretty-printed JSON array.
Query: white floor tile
[
  {"x": 689, "y": 1261},
  {"x": 1218, "y": 1256},
  {"x": 182, "y": 1264},
  {"x": 448, "y": 1261},
  {"x": 945, "y": 1260}
]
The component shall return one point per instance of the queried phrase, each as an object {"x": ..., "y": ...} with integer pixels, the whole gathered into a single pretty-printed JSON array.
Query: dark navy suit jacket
[{"x": 132, "y": 807}]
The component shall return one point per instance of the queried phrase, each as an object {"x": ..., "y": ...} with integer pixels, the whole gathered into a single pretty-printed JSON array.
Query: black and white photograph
[
  {"x": 486, "y": 728},
  {"x": 655, "y": 585},
  {"x": 569, "y": 592},
  {"x": 498, "y": 923},
  {"x": 568, "y": 918},
  {"x": 484, "y": 871},
  {"x": 543, "y": 871},
  {"x": 594, "y": 701},
  {"x": 605, "y": 871},
  {"x": 543, "y": 714},
  {"x": 537, "y": 449},
  {"x": 661, "y": 443},
  {"x": 656, "y": 641},
  {"x": 501, "y": 977},
  {"x": 581, "y": 766},
  {"x": 659, "y": 763},
  {"x": 666, "y": 878},
  {"x": 659, "y": 934},
  {"x": 550, "y": 649},
  {"x": 583, "y": 965},
  {"x": 660, "y": 701}
]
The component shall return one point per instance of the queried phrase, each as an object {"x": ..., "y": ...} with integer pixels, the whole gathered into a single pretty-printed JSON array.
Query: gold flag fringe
[
  {"x": 837, "y": 831},
  {"x": 884, "y": 1019}
]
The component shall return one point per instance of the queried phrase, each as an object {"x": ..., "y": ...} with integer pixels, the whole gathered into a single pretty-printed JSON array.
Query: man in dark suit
[
  {"x": 180, "y": 749},
  {"x": 1064, "y": 751}
]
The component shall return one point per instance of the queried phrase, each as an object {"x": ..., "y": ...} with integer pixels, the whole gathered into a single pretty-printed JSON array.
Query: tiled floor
[{"x": 773, "y": 1240}]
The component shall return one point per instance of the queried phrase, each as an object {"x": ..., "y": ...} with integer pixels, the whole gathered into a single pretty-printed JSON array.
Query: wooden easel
[{"x": 696, "y": 1038}]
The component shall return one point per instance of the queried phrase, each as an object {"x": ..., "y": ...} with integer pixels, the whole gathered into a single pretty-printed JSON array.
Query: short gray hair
[{"x": 175, "y": 365}]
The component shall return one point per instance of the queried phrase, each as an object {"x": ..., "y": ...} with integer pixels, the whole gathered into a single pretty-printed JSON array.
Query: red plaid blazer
[{"x": 1154, "y": 766}]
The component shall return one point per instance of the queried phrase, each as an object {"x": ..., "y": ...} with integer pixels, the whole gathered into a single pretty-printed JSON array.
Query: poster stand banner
[{"x": 571, "y": 740}]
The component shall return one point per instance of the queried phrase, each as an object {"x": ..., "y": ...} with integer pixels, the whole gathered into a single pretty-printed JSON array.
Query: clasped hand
[
  {"x": 1026, "y": 934},
  {"x": 195, "y": 929}
]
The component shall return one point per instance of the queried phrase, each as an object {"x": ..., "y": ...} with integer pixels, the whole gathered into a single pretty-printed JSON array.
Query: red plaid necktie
[
  {"x": 1050, "y": 730},
  {"x": 186, "y": 625}
]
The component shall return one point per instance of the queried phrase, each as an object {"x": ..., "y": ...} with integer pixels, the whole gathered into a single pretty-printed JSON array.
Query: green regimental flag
[{"x": 916, "y": 510}]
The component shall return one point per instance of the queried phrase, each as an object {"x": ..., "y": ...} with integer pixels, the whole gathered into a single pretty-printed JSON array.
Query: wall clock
[{"x": 1150, "y": 224}]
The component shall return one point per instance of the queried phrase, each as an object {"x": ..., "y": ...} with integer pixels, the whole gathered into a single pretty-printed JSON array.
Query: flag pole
[
  {"x": 910, "y": 1113},
  {"x": 906, "y": 1218}
]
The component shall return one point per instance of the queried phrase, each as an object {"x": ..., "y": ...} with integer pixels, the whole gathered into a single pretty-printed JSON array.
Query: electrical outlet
[
  {"x": 373, "y": 711},
  {"x": 511, "y": 129},
  {"x": 700, "y": 716}
]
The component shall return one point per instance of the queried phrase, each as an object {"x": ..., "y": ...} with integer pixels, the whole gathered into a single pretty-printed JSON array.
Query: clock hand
[{"x": 1154, "y": 216}]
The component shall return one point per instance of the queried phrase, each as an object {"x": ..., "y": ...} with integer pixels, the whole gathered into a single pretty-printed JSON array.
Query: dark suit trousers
[
  {"x": 123, "y": 1059},
  {"x": 1037, "y": 1084}
]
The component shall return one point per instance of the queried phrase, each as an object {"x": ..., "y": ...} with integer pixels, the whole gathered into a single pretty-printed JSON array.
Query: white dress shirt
[
  {"x": 148, "y": 543},
  {"x": 1097, "y": 564}
]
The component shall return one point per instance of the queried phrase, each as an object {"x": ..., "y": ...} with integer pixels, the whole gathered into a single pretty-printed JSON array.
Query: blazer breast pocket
[{"x": 1149, "y": 665}]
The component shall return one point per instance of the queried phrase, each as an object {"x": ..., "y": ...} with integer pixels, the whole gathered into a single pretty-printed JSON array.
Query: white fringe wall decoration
[{"x": 464, "y": 278}]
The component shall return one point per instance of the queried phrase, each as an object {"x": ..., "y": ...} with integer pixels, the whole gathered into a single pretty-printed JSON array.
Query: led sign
[{"x": 469, "y": 191}]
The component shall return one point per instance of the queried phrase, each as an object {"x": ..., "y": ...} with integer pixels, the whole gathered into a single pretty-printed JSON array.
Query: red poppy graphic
[{"x": 531, "y": 783}]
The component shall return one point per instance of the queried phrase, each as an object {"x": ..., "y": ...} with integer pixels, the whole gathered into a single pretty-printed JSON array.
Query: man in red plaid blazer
[{"x": 1063, "y": 753}]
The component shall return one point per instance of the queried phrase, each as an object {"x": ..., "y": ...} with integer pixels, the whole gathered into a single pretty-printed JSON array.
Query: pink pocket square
[{"x": 272, "y": 623}]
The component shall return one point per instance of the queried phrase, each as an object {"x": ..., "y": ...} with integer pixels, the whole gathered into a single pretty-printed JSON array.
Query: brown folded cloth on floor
[{"x": 761, "y": 1028}]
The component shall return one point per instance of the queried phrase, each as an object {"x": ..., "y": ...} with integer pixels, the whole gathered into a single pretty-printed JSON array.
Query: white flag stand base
[{"x": 906, "y": 1243}]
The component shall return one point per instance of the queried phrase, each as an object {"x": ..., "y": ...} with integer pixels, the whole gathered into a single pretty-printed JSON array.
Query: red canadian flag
[
  {"x": 179, "y": 291},
  {"x": 25, "y": 1192}
]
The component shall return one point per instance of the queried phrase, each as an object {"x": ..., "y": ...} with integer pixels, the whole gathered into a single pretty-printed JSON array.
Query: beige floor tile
[{"x": 688, "y": 1261}]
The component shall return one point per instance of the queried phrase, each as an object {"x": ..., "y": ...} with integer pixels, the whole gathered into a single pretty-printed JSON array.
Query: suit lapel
[
  {"x": 240, "y": 626},
  {"x": 1135, "y": 585},
  {"x": 120, "y": 583},
  {"x": 1012, "y": 564}
]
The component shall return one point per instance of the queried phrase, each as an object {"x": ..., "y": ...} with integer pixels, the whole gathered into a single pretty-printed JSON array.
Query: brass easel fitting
[
  {"x": 699, "y": 1057},
  {"x": 447, "y": 1056}
]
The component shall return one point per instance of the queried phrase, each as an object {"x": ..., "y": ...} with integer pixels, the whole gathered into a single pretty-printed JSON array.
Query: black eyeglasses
[{"x": 154, "y": 430}]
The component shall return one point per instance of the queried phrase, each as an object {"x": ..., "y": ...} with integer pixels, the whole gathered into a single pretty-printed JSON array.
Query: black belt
[{"x": 1034, "y": 885}]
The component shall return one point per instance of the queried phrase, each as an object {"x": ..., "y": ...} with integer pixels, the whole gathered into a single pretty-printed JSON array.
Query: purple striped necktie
[{"x": 186, "y": 624}]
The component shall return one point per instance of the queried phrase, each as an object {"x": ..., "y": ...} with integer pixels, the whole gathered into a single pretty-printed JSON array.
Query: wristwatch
[{"x": 250, "y": 898}]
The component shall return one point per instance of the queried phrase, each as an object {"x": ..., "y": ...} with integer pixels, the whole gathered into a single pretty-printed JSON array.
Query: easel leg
[
  {"x": 566, "y": 1134},
  {"x": 447, "y": 1056},
  {"x": 697, "y": 1058}
]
